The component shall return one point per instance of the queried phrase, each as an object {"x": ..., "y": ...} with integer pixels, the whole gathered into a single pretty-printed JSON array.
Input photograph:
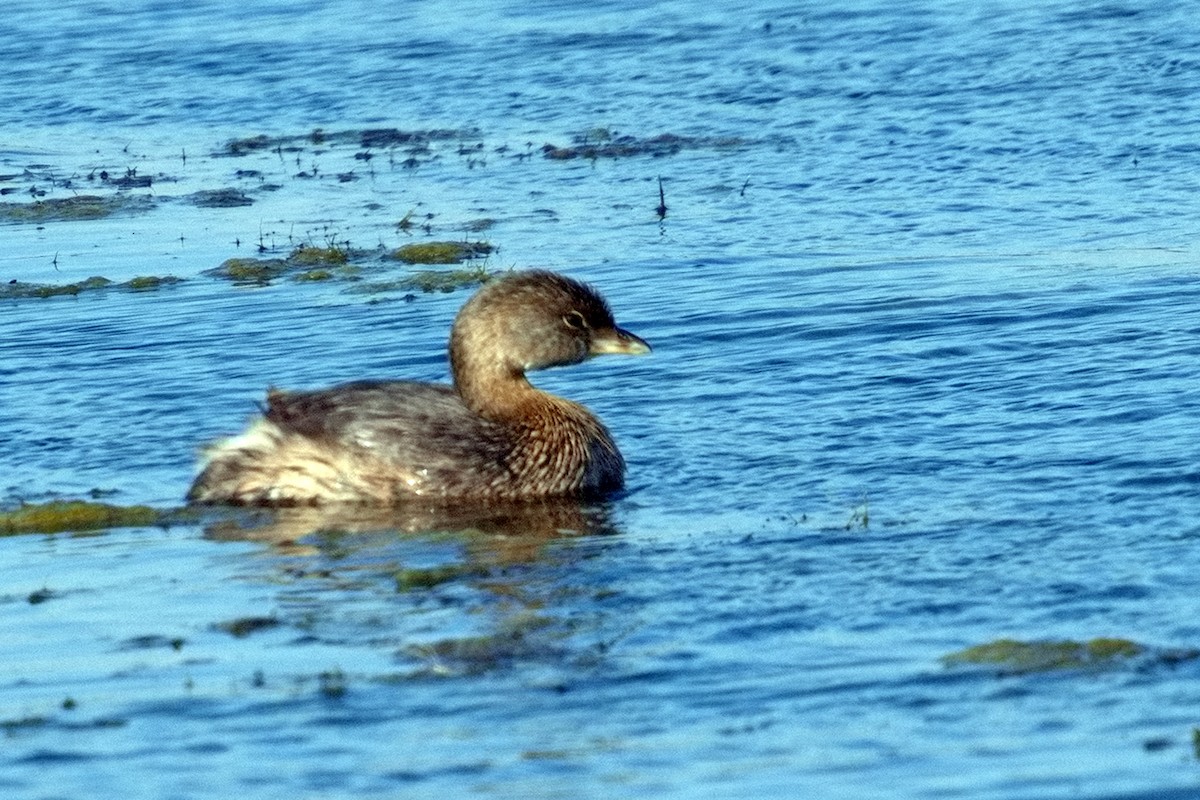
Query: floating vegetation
[
  {"x": 244, "y": 626},
  {"x": 59, "y": 516},
  {"x": 601, "y": 143},
  {"x": 441, "y": 252},
  {"x": 306, "y": 263},
  {"x": 430, "y": 281},
  {"x": 80, "y": 207},
  {"x": 250, "y": 270},
  {"x": 311, "y": 255},
  {"x": 375, "y": 138},
  {"x": 149, "y": 282},
  {"x": 433, "y": 281},
  {"x": 1014, "y": 657},
  {"x": 380, "y": 138},
  {"x": 17, "y": 290},
  {"x": 221, "y": 198}
]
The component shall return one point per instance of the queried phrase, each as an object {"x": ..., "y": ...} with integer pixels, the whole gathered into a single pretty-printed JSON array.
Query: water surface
[{"x": 924, "y": 314}]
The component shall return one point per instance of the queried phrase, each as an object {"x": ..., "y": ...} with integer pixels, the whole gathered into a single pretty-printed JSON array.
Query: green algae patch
[
  {"x": 441, "y": 252},
  {"x": 80, "y": 207},
  {"x": 1015, "y": 657},
  {"x": 60, "y": 516}
]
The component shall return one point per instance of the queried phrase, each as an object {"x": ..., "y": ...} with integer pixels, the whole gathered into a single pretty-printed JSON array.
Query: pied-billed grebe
[{"x": 490, "y": 436}]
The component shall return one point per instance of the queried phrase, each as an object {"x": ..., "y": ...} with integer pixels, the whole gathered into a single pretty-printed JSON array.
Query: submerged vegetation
[
  {"x": 79, "y": 207},
  {"x": 417, "y": 578},
  {"x": 1015, "y": 657}
]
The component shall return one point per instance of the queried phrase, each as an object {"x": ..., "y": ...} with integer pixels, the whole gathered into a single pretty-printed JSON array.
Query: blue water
[{"x": 924, "y": 309}]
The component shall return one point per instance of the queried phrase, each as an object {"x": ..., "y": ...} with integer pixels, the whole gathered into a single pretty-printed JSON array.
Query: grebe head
[{"x": 533, "y": 320}]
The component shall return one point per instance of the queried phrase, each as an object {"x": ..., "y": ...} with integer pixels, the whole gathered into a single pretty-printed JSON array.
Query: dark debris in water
[
  {"x": 601, "y": 143},
  {"x": 373, "y": 138},
  {"x": 18, "y": 726},
  {"x": 153, "y": 642},
  {"x": 524, "y": 637},
  {"x": 221, "y": 198},
  {"x": 244, "y": 626},
  {"x": 419, "y": 145},
  {"x": 41, "y": 595}
]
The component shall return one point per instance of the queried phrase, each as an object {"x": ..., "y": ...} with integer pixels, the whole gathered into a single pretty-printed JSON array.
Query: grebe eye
[{"x": 575, "y": 321}]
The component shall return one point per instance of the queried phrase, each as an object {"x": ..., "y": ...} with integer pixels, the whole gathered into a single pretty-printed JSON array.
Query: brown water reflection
[{"x": 508, "y": 533}]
